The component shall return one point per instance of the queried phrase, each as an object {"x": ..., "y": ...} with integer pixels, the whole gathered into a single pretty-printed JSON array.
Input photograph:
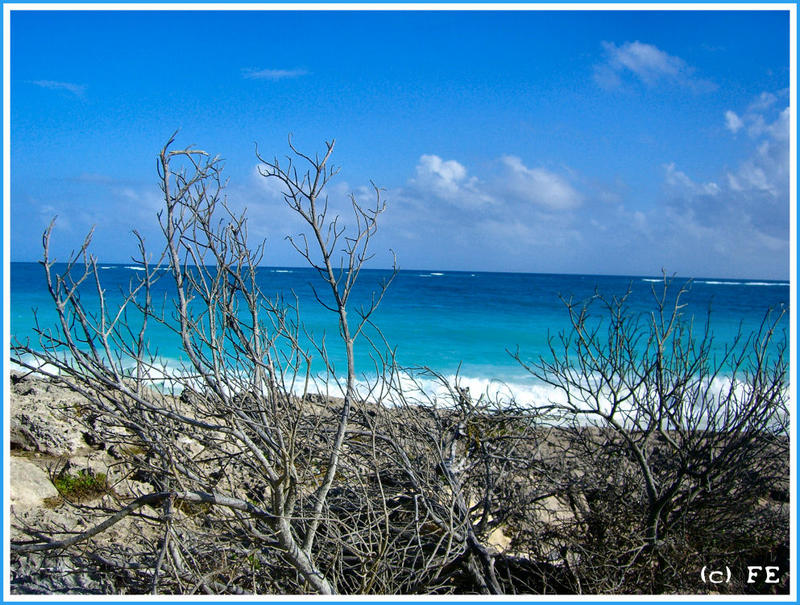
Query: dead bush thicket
[{"x": 679, "y": 448}]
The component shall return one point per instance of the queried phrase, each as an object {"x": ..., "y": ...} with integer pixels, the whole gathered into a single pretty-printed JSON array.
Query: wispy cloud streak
[
  {"x": 272, "y": 74},
  {"x": 76, "y": 89},
  {"x": 647, "y": 63}
]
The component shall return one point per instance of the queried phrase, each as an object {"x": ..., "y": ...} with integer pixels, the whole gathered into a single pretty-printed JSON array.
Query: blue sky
[{"x": 575, "y": 142}]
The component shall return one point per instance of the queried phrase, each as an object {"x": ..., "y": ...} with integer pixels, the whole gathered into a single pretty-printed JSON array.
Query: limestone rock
[
  {"x": 499, "y": 541},
  {"x": 30, "y": 485},
  {"x": 38, "y": 419}
]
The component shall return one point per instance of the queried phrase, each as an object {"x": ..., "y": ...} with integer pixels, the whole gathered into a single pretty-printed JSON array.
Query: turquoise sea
[{"x": 450, "y": 321}]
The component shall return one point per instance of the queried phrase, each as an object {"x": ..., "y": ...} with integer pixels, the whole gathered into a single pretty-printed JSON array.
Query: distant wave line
[
  {"x": 726, "y": 283},
  {"x": 741, "y": 283}
]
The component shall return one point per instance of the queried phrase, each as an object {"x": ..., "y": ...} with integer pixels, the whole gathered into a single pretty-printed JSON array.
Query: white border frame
[{"x": 506, "y": 6}]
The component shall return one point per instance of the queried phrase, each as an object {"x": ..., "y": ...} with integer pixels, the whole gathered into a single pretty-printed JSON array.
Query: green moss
[
  {"x": 254, "y": 562},
  {"x": 84, "y": 485}
]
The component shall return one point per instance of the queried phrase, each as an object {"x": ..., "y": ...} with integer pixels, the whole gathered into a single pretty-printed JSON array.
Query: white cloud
[
  {"x": 648, "y": 64},
  {"x": 680, "y": 180},
  {"x": 766, "y": 171},
  {"x": 767, "y": 168},
  {"x": 447, "y": 180},
  {"x": 444, "y": 177},
  {"x": 645, "y": 60},
  {"x": 736, "y": 224},
  {"x": 743, "y": 219},
  {"x": 733, "y": 122},
  {"x": 756, "y": 121},
  {"x": 779, "y": 129},
  {"x": 764, "y": 101},
  {"x": 537, "y": 218},
  {"x": 271, "y": 186},
  {"x": 538, "y": 186},
  {"x": 509, "y": 184},
  {"x": 447, "y": 216},
  {"x": 272, "y": 74},
  {"x": 76, "y": 89}
]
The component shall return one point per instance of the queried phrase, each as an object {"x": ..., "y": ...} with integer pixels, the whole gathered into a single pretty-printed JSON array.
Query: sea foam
[{"x": 423, "y": 388}]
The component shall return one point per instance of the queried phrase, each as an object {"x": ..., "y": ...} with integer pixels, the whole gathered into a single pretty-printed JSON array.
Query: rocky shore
[
  {"x": 64, "y": 481},
  {"x": 46, "y": 444}
]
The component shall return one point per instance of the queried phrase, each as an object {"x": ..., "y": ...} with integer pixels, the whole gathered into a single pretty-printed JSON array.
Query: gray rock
[
  {"x": 43, "y": 418},
  {"x": 30, "y": 485},
  {"x": 22, "y": 438}
]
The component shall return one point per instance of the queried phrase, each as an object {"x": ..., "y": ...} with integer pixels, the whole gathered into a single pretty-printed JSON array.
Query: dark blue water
[{"x": 448, "y": 321}]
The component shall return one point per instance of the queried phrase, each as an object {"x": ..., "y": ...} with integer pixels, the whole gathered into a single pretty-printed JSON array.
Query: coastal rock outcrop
[
  {"x": 37, "y": 419},
  {"x": 30, "y": 485}
]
